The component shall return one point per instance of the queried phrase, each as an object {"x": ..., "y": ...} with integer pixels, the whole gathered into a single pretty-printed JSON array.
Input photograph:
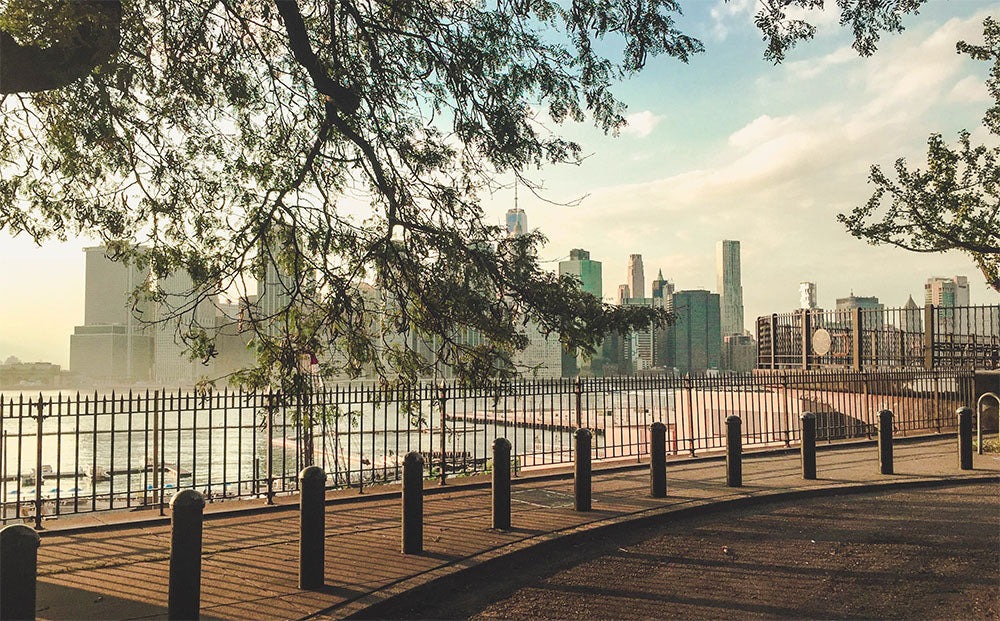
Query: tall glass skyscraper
[
  {"x": 729, "y": 284},
  {"x": 517, "y": 222},
  {"x": 586, "y": 271},
  {"x": 636, "y": 276}
]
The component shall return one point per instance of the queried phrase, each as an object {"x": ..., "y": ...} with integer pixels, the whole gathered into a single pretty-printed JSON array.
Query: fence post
[
  {"x": 578, "y": 388},
  {"x": 774, "y": 342},
  {"x": 18, "y": 571},
  {"x": 734, "y": 452},
  {"x": 885, "y": 442},
  {"x": 501, "y": 484},
  {"x": 806, "y": 334},
  {"x": 184, "y": 590},
  {"x": 442, "y": 396},
  {"x": 269, "y": 454},
  {"x": 928, "y": 337},
  {"x": 413, "y": 503},
  {"x": 965, "y": 438},
  {"x": 582, "y": 471},
  {"x": 312, "y": 527},
  {"x": 856, "y": 338},
  {"x": 658, "y": 460},
  {"x": 689, "y": 402},
  {"x": 38, "y": 464},
  {"x": 155, "y": 466},
  {"x": 808, "y": 445}
]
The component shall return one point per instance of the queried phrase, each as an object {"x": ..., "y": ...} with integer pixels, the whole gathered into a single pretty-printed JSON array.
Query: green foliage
[{"x": 952, "y": 204}]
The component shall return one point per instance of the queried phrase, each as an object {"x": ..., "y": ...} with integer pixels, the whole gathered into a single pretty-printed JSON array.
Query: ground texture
[{"x": 912, "y": 554}]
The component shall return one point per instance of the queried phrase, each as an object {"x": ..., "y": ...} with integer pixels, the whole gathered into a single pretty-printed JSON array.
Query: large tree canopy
[
  {"x": 953, "y": 204},
  {"x": 342, "y": 144}
]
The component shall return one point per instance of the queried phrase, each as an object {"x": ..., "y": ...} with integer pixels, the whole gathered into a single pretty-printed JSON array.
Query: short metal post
[
  {"x": 734, "y": 452},
  {"x": 184, "y": 590},
  {"x": 965, "y": 438},
  {"x": 18, "y": 571},
  {"x": 413, "y": 503},
  {"x": 658, "y": 460},
  {"x": 885, "y": 442},
  {"x": 501, "y": 484},
  {"x": 312, "y": 527},
  {"x": 808, "y": 425},
  {"x": 582, "y": 471}
]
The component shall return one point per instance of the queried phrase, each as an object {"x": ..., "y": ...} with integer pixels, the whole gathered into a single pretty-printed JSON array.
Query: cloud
[
  {"x": 641, "y": 124},
  {"x": 727, "y": 14},
  {"x": 970, "y": 89}
]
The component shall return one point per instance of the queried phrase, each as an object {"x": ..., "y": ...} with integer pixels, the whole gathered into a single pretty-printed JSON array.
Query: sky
[{"x": 727, "y": 146}]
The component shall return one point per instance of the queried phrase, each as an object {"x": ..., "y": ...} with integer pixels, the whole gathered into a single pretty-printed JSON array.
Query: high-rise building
[
  {"x": 694, "y": 341},
  {"x": 179, "y": 310},
  {"x": 807, "y": 295},
  {"x": 739, "y": 353},
  {"x": 913, "y": 322},
  {"x": 870, "y": 321},
  {"x": 662, "y": 288},
  {"x": 636, "y": 279},
  {"x": 729, "y": 284},
  {"x": 946, "y": 293},
  {"x": 623, "y": 294},
  {"x": 517, "y": 222},
  {"x": 114, "y": 344},
  {"x": 588, "y": 272},
  {"x": 642, "y": 343}
]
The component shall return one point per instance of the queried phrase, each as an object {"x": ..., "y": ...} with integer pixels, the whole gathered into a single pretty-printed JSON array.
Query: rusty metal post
[
  {"x": 658, "y": 460},
  {"x": 442, "y": 397},
  {"x": 18, "y": 571},
  {"x": 856, "y": 338},
  {"x": 928, "y": 337},
  {"x": 808, "y": 425},
  {"x": 501, "y": 484},
  {"x": 184, "y": 587},
  {"x": 413, "y": 503},
  {"x": 806, "y": 334},
  {"x": 965, "y": 438},
  {"x": 312, "y": 527},
  {"x": 689, "y": 402},
  {"x": 582, "y": 471},
  {"x": 885, "y": 442},
  {"x": 734, "y": 452}
]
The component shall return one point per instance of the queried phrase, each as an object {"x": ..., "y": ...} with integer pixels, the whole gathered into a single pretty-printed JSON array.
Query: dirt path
[{"x": 918, "y": 554}]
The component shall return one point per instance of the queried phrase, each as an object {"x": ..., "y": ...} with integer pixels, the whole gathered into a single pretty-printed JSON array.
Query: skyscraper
[
  {"x": 694, "y": 342},
  {"x": 662, "y": 288},
  {"x": 623, "y": 294},
  {"x": 807, "y": 295},
  {"x": 947, "y": 291},
  {"x": 729, "y": 284},
  {"x": 588, "y": 272},
  {"x": 636, "y": 278},
  {"x": 517, "y": 222}
]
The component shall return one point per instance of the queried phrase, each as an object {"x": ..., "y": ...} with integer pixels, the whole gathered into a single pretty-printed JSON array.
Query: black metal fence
[
  {"x": 125, "y": 451},
  {"x": 932, "y": 337}
]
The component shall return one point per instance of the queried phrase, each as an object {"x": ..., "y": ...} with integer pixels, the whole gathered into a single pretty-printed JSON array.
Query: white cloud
[
  {"x": 727, "y": 14},
  {"x": 970, "y": 89},
  {"x": 641, "y": 124}
]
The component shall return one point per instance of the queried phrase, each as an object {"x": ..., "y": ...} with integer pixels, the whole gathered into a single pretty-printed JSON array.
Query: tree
[
  {"x": 340, "y": 144},
  {"x": 955, "y": 203}
]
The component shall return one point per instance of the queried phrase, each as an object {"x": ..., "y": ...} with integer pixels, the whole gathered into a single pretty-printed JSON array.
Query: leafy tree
[
  {"x": 340, "y": 145},
  {"x": 954, "y": 204}
]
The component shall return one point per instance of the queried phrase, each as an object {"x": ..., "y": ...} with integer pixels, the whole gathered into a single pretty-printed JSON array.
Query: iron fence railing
[
  {"x": 125, "y": 451},
  {"x": 932, "y": 337}
]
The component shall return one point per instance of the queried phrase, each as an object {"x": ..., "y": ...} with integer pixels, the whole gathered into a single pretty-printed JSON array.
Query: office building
[
  {"x": 729, "y": 285},
  {"x": 623, "y": 294},
  {"x": 947, "y": 291},
  {"x": 588, "y": 272},
  {"x": 662, "y": 288},
  {"x": 869, "y": 320},
  {"x": 913, "y": 320},
  {"x": 114, "y": 344},
  {"x": 636, "y": 279},
  {"x": 807, "y": 295},
  {"x": 739, "y": 353},
  {"x": 517, "y": 222},
  {"x": 695, "y": 341},
  {"x": 180, "y": 311}
]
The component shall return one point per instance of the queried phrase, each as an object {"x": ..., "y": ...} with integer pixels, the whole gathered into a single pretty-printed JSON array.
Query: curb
[{"x": 434, "y": 583}]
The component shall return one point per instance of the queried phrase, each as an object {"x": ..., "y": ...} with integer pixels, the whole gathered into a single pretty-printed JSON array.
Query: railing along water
[{"x": 65, "y": 454}]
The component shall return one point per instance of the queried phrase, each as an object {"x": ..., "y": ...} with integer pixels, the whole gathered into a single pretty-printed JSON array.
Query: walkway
[{"x": 249, "y": 562}]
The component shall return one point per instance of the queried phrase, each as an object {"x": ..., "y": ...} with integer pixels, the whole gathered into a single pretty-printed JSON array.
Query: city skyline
[{"x": 725, "y": 147}]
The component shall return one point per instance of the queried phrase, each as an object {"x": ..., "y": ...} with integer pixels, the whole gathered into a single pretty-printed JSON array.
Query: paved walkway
[{"x": 249, "y": 559}]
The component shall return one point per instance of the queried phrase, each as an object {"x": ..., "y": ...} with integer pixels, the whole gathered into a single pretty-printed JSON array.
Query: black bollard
[
  {"x": 808, "y": 445},
  {"x": 312, "y": 527},
  {"x": 734, "y": 452},
  {"x": 658, "y": 460},
  {"x": 501, "y": 484},
  {"x": 965, "y": 438},
  {"x": 885, "y": 442},
  {"x": 581, "y": 471},
  {"x": 18, "y": 571},
  {"x": 184, "y": 591},
  {"x": 413, "y": 503}
]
